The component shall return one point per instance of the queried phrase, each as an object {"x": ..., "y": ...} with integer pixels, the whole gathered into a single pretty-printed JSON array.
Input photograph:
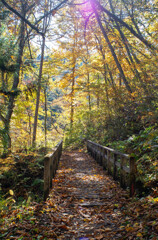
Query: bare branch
[{"x": 51, "y": 11}]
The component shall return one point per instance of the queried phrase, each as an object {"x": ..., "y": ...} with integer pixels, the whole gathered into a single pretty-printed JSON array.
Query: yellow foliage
[
  {"x": 139, "y": 234},
  {"x": 11, "y": 192}
]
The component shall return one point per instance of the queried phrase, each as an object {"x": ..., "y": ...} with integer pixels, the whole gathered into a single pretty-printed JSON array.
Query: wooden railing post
[
  {"x": 104, "y": 159},
  {"x": 46, "y": 176},
  {"x": 101, "y": 155},
  {"x": 87, "y": 147},
  {"x": 53, "y": 166},
  {"x": 51, "y": 170},
  {"x": 92, "y": 151},
  {"x": 132, "y": 176},
  {"x": 108, "y": 161},
  {"x": 115, "y": 167},
  {"x": 55, "y": 162},
  {"x": 95, "y": 153},
  {"x": 122, "y": 173},
  {"x": 98, "y": 154}
]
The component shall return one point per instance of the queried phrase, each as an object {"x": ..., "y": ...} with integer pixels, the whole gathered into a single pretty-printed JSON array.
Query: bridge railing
[
  {"x": 120, "y": 166},
  {"x": 51, "y": 162}
]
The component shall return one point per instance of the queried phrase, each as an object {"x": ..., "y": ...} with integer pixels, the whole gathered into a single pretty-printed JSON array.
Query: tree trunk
[
  {"x": 132, "y": 17},
  {"x": 30, "y": 129},
  {"x": 111, "y": 49},
  {"x": 125, "y": 43},
  {"x": 106, "y": 90},
  {"x": 98, "y": 97},
  {"x": 38, "y": 93},
  {"x": 45, "y": 117},
  {"x": 6, "y": 121},
  {"x": 89, "y": 95},
  {"x": 72, "y": 98}
]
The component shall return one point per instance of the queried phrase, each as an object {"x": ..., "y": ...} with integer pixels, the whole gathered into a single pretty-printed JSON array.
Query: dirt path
[{"x": 88, "y": 202}]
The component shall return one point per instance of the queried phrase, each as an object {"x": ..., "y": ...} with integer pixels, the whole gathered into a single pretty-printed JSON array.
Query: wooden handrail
[
  {"x": 120, "y": 166},
  {"x": 51, "y": 162}
]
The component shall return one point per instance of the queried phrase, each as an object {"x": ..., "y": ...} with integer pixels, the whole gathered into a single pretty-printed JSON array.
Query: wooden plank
[
  {"x": 50, "y": 166},
  {"x": 132, "y": 176},
  {"x": 115, "y": 172},
  {"x": 108, "y": 162},
  {"x": 104, "y": 162},
  {"x": 91, "y": 204},
  {"x": 122, "y": 173}
]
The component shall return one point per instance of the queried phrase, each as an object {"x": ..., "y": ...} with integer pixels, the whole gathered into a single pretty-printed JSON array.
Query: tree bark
[
  {"x": 6, "y": 120},
  {"x": 38, "y": 93},
  {"x": 98, "y": 97},
  {"x": 45, "y": 117},
  {"x": 89, "y": 95},
  {"x": 72, "y": 97}
]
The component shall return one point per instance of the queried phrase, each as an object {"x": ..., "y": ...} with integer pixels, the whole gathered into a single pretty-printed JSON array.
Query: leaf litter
[{"x": 84, "y": 203}]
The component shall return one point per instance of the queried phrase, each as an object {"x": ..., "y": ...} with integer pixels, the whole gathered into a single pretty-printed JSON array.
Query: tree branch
[
  {"x": 140, "y": 37},
  {"x": 23, "y": 18},
  {"x": 51, "y": 11},
  {"x": 111, "y": 48},
  {"x": 30, "y": 7},
  {"x": 28, "y": 22}
]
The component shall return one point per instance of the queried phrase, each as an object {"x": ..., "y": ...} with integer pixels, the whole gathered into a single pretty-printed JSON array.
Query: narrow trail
[{"x": 88, "y": 203}]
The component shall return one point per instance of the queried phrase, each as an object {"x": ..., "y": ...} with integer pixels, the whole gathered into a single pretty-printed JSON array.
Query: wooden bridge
[
  {"x": 120, "y": 166},
  {"x": 83, "y": 199},
  {"x": 88, "y": 195}
]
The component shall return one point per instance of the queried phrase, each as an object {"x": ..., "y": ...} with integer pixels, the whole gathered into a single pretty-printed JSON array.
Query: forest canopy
[{"x": 77, "y": 70}]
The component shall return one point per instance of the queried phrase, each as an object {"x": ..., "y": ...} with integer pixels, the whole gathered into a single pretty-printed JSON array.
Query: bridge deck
[{"x": 84, "y": 202}]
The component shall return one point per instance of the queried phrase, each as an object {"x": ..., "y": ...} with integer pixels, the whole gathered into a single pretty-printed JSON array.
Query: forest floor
[{"x": 83, "y": 204}]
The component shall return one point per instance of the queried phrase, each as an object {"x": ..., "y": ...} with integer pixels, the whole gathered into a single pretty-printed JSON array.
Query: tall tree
[{"x": 14, "y": 89}]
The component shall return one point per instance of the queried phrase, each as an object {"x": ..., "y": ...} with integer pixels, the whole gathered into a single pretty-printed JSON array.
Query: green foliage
[
  {"x": 74, "y": 138},
  {"x": 38, "y": 183},
  {"x": 25, "y": 177},
  {"x": 144, "y": 148},
  {"x": 7, "y": 51}
]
